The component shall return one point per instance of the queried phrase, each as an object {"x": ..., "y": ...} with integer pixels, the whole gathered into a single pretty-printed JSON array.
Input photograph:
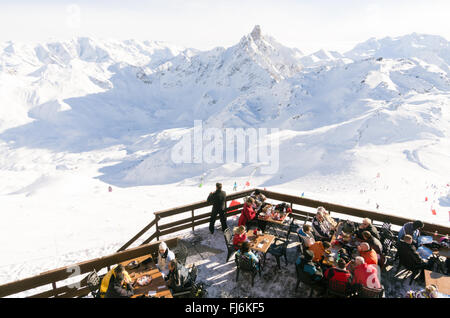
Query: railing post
[
  {"x": 157, "y": 227},
  {"x": 193, "y": 221},
  {"x": 54, "y": 288}
]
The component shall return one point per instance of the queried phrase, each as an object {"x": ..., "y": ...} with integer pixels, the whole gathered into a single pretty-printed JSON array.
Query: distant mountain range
[{"x": 87, "y": 94}]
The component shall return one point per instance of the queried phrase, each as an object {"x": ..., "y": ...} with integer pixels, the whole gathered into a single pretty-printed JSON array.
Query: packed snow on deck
[{"x": 364, "y": 128}]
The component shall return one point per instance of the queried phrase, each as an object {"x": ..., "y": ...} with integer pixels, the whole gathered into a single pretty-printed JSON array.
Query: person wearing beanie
[
  {"x": 165, "y": 255},
  {"x": 411, "y": 228}
]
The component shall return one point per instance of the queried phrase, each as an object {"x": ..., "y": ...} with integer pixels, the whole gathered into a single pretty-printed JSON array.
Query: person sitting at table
[
  {"x": 306, "y": 237},
  {"x": 412, "y": 229},
  {"x": 338, "y": 273},
  {"x": 245, "y": 250},
  {"x": 240, "y": 236},
  {"x": 248, "y": 213},
  {"x": 116, "y": 284},
  {"x": 365, "y": 274},
  {"x": 319, "y": 249},
  {"x": 306, "y": 232},
  {"x": 259, "y": 199},
  {"x": 283, "y": 208},
  {"x": 322, "y": 229},
  {"x": 376, "y": 245},
  {"x": 369, "y": 255},
  {"x": 366, "y": 225},
  {"x": 165, "y": 255},
  {"x": 409, "y": 257},
  {"x": 178, "y": 277},
  {"x": 305, "y": 261},
  {"x": 327, "y": 217}
]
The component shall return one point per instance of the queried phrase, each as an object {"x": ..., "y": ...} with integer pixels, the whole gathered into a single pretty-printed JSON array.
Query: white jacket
[{"x": 163, "y": 263}]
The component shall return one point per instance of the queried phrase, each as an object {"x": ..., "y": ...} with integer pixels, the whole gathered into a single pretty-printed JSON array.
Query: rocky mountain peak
[{"x": 256, "y": 33}]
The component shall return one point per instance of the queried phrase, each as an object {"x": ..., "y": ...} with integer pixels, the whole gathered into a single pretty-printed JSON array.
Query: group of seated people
[
  {"x": 359, "y": 263},
  {"x": 118, "y": 284},
  {"x": 242, "y": 245},
  {"x": 256, "y": 204},
  {"x": 353, "y": 267}
]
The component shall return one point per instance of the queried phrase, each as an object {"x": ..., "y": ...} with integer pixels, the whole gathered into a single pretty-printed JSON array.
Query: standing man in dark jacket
[{"x": 219, "y": 204}]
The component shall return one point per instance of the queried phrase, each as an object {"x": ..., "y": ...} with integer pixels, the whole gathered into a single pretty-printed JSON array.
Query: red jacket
[
  {"x": 237, "y": 239},
  {"x": 247, "y": 214},
  {"x": 366, "y": 275},
  {"x": 338, "y": 274}
]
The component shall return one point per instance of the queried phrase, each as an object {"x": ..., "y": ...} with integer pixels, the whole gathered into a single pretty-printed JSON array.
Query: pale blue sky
[{"x": 204, "y": 24}]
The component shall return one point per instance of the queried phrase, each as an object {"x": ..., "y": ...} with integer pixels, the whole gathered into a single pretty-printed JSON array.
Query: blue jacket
[
  {"x": 310, "y": 269},
  {"x": 251, "y": 255},
  {"x": 407, "y": 228}
]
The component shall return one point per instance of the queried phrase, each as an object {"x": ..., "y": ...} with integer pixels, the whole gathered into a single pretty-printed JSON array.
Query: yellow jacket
[{"x": 106, "y": 280}]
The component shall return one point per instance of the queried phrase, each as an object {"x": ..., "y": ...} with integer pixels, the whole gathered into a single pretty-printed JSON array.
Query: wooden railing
[
  {"x": 298, "y": 205},
  {"x": 191, "y": 222},
  {"x": 77, "y": 289},
  {"x": 123, "y": 254},
  {"x": 373, "y": 215}
]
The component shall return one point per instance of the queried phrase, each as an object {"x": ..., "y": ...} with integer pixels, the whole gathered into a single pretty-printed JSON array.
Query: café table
[
  {"x": 441, "y": 281},
  {"x": 157, "y": 287},
  {"x": 260, "y": 243},
  {"x": 273, "y": 223},
  {"x": 330, "y": 259}
]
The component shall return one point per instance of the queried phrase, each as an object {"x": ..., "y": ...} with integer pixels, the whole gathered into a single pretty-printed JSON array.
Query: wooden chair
[
  {"x": 229, "y": 243},
  {"x": 93, "y": 281},
  {"x": 279, "y": 250},
  {"x": 305, "y": 279},
  {"x": 187, "y": 289},
  {"x": 181, "y": 253},
  {"x": 366, "y": 292},
  {"x": 245, "y": 264},
  {"x": 388, "y": 241},
  {"x": 338, "y": 289}
]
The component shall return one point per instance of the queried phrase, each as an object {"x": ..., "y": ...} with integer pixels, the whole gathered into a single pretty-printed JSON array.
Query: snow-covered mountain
[
  {"x": 109, "y": 92},
  {"x": 36, "y": 75},
  {"x": 431, "y": 50}
]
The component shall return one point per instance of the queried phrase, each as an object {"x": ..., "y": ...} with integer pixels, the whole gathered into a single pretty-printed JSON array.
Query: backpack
[
  {"x": 387, "y": 239},
  {"x": 199, "y": 290},
  {"x": 435, "y": 264}
]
